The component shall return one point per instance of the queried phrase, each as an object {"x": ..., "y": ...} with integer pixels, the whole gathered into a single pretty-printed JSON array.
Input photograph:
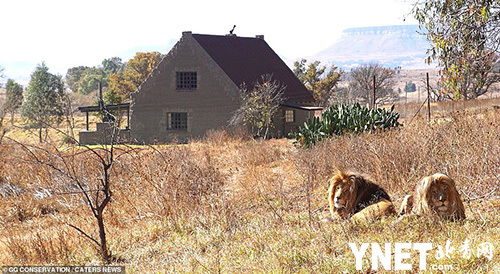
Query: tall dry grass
[{"x": 230, "y": 204}]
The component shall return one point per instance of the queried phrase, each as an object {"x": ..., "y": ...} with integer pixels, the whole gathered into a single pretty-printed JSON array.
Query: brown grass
[{"x": 229, "y": 204}]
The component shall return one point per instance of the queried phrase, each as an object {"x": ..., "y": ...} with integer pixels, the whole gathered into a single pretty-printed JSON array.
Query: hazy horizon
[{"x": 67, "y": 34}]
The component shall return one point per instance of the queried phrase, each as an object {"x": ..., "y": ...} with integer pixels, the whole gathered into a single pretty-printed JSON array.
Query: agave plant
[{"x": 340, "y": 119}]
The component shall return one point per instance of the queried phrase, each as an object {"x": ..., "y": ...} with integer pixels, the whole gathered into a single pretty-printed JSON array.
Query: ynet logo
[{"x": 402, "y": 251}]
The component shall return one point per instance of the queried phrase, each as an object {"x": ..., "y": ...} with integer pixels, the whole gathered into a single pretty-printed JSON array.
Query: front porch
[{"x": 108, "y": 131}]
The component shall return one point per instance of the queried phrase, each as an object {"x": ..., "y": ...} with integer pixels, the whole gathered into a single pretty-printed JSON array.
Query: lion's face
[
  {"x": 439, "y": 196},
  {"x": 342, "y": 193}
]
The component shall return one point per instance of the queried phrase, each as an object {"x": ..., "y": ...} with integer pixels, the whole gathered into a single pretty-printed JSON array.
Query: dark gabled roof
[{"x": 246, "y": 59}]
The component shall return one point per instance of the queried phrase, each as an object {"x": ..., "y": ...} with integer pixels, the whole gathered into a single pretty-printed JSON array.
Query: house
[{"x": 196, "y": 88}]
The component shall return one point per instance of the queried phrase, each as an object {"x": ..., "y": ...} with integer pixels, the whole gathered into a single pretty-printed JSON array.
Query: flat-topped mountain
[{"x": 390, "y": 46}]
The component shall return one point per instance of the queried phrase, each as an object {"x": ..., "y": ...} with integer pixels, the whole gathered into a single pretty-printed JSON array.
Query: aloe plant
[{"x": 340, "y": 119}]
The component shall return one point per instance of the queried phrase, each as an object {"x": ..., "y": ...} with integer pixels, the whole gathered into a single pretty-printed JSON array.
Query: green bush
[
  {"x": 340, "y": 119},
  {"x": 410, "y": 87}
]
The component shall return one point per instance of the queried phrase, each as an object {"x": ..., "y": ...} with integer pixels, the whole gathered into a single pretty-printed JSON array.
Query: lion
[
  {"x": 435, "y": 195},
  {"x": 352, "y": 196}
]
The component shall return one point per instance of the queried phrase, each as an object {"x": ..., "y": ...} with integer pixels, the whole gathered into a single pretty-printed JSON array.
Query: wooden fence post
[
  {"x": 428, "y": 99},
  {"x": 374, "y": 90}
]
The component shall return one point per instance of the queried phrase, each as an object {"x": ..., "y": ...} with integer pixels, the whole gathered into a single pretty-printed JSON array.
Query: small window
[
  {"x": 177, "y": 120},
  {"x": 186, "y": 80},
  {"x": 290, "y": 116}
]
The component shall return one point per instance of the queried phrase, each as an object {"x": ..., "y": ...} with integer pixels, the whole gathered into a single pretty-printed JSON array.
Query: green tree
[
  {"x": 112, "y": 65},
  {"x": 135, "y": 72},
  {"x": 73, "y": 75},
  {"x": 110, "y": 97},
  {"x": 316, "y": 78},
  {"x": 90, "y": 78},
  {"x": 410, "y": 87},
  {"x": 14, "y": 97},
  {"x": 84, "y": 79},
  {"x": 259, "y": 105},
  {"x": 465, "y": 38},
  {"x": 1, "y": 74},
  {"x": 43, "y": 106},
  {"x": 119, "y": 86}
]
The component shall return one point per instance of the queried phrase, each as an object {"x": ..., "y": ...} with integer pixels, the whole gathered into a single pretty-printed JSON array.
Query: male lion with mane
[
  {"x": 353, "y": 196},
  {"x": 435, "y": 195}
]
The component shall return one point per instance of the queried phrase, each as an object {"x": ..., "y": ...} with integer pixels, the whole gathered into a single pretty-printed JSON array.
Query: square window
[
  {"x": 177, "y": 120},
  {"x": 289, "y": 115},
  {"x": 186, "y": 80}
]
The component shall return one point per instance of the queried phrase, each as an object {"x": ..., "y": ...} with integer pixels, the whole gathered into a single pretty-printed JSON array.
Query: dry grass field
[{"x": 230, "y": 204}]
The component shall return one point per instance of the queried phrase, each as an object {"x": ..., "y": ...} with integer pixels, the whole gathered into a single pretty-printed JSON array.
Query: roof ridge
[{"x": 226, "y": 36}]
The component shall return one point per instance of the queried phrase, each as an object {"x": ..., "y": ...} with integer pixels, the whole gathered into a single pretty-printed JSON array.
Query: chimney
[
  {"x": 185, "y": 33},
  {"x": 261, "y": 36}
]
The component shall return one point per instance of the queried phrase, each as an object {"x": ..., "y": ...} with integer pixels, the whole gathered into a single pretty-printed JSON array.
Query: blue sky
[{"x": 71, "y": 33}]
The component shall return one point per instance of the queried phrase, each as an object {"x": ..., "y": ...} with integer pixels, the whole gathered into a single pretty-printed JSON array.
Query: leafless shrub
[{"x": 259, "y": 105}]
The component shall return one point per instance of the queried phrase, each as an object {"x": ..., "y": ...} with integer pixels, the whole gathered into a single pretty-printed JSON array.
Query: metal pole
[
  {"x": 128, "y": 117},
  {"x": 428, "y": 99},
  {"x": 406, "y": 103},
  {"x": 374, "y": 90},
  {"x": 100, "y": 93},
  {"x": 87, "y": 120}
]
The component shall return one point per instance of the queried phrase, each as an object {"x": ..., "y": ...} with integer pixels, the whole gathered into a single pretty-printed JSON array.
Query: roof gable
[{"x": 246, "y": 59}]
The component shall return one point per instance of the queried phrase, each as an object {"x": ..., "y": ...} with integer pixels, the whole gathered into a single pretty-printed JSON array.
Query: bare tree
[
  {"x": 361, "y": 84},
  {"x": 259, "y": 105},
  {"x": 94, "y": 190}
]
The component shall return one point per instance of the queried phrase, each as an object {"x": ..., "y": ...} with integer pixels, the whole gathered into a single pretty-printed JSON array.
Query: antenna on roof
[{"x": 231, "y": 31}]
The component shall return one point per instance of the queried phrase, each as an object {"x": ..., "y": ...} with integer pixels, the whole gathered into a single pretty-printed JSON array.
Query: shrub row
[{"x": 341, "y": 119}]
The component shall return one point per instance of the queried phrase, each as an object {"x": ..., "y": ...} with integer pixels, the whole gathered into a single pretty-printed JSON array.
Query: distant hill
[{"x": 390, "y": 46}]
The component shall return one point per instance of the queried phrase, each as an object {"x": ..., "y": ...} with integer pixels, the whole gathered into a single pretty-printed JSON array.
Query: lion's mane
[
  {"x": 420, "y": 202},
  {"x": 366, "y": 199}
]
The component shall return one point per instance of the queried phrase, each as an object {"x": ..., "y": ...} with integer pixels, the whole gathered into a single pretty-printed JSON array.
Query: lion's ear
[{"x": 353, "y": 180}]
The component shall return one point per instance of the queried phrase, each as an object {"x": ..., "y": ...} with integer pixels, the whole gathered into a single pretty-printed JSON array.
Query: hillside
[{"x": 390, "y": 46}]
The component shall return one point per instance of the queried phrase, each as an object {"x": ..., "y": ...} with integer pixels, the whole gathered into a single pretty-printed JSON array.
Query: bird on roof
[{"x": 231, "y": 31}]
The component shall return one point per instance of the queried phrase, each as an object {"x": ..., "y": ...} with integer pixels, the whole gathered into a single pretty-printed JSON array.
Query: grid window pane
[
  {"x": 289, "y": 116},
  {"x": 186, "y": 80},
  {"x": 177, "y": 120}
]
